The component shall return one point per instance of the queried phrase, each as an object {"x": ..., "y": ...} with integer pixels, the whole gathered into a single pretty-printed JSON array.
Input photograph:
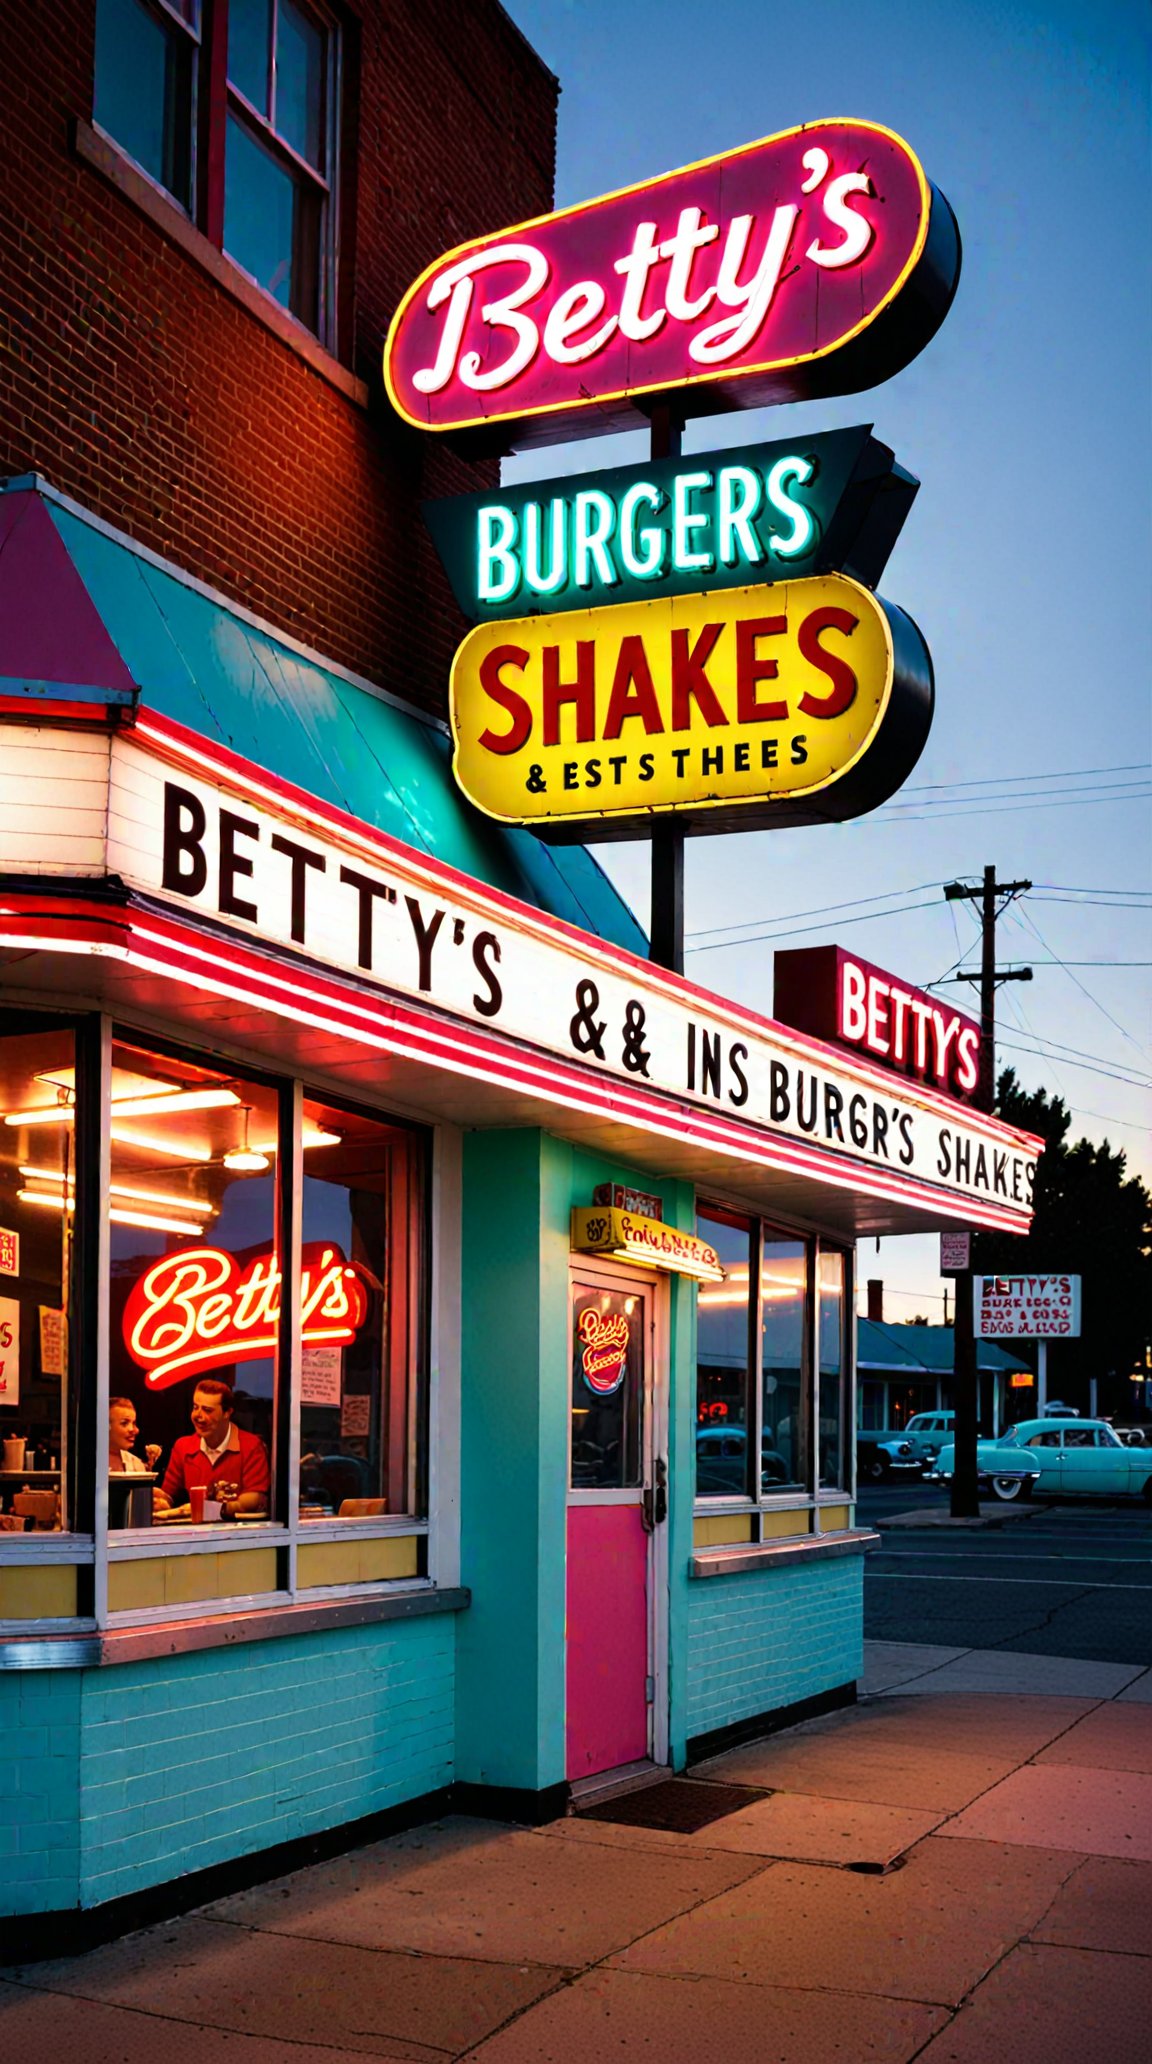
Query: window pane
[
  {"x": 143, "y": 92},
  {"x": 250, "y": 50},
  {"x": 195, "y": 1294},
  {"x": 782, "y": 1284},
  {"x": 37, "y": 1191},
  {"x": 607, "y": 1387},
  {"x": 830, "y": 1323},
  {"x": 722, "y": 1415},
  {"x": 272, "y": 225},
  {"x": 300, "y": 83},
  {"x": 362, "y": 1309}
]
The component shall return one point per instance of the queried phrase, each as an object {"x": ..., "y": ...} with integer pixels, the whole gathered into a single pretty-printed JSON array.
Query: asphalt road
[{"x": 1067, "y": 1580}]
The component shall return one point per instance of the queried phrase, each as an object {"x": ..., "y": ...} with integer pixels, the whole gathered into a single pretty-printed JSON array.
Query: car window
[
  {"x": 1044, "y": 1440},
  {"x": 1106, "y": 1438},
  {"x": 1080, "y": 1437}
]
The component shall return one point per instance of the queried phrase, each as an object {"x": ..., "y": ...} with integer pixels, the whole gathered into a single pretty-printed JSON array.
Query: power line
[
  {"x": 1066, "y": 890},
  {"x": 886, "y": 816},
  {"x": 758, "y": 938},
  {"x": 1055, "y": 962},
  {"x": 1089, "y": 1067},
  {"x": 1058, "y": 774},
  {"x": 821, "y": 910},
  {"x": 1024, "y": 917},
  {"x": 1066, "y": 788}
]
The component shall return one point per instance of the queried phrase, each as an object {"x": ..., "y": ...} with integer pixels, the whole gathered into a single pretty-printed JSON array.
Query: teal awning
[{"x": 198, "y": 659}]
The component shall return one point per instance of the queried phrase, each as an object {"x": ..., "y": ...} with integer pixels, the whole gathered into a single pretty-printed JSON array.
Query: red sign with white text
[
  {"x": 836, "y": 995},
  {"x": 814, "y": 262},
  {"x": 202, "y": 1309}
]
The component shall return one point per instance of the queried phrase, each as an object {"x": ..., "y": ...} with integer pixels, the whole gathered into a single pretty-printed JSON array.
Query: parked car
[
  {"x": 722, "y": 1462},
  {"x": 1063, "y": 1458},
  {"x": 883, "y": 1455},
  {"x": 926, "y": 1433}
]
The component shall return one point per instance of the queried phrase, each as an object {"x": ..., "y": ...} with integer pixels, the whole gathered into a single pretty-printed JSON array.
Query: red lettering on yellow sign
[{"x": 201, "y": 1309}]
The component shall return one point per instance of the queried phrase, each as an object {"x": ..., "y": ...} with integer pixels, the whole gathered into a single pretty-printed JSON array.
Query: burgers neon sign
[
  {"x": 202, "y": 1309},
  {"x": 741, "y": 276}
]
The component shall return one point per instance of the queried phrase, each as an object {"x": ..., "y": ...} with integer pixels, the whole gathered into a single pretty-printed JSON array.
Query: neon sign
[
  {"x": 813, "y": 262},
  {"x": 808, "y": 702},
  {"x": 760, "y": 512},
  {"x": 604, "y": 1338},
  {"x": 201, "y": 1309},
  {"x": 836, "y": 995}
]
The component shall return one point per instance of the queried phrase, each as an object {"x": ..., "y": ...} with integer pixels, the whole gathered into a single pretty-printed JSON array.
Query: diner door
[{"x": 617, "y": 1511}]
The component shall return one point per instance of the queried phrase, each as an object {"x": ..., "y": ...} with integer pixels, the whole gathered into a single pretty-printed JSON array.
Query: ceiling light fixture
[{"x": 246, "y": 1159}]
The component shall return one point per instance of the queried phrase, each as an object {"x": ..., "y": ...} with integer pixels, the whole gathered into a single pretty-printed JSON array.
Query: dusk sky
[{"x": 1025, "y": 559}]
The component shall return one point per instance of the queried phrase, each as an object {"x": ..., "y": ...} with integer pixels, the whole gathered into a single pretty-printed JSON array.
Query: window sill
[
  {"x": 135, "y": 1644},
  {"x": 783, "y": 1554},
  {"x": 93, "y": 148}
]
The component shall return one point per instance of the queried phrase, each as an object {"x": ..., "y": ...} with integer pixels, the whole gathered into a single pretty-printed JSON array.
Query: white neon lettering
[
  {"x": 816, "y": 163},
  {"x": 572, "y": 312},
  {"x": 876, "y": 1037},
  {"x": 921, "y": 1011},
  {"x": 853, "y": 997},
  {"x": 456, "y": 286},
  {"x": 648, "y": 563},
  {"x": 634, "y": 270},
  {"x": 498, "y": 575},
  {"x": 900, "y": 1002},
  {"x": 945, "y": 1034},
  {"x": 724, "y": 339},
  {"x": 685, "y": 519},
  {"x": 681, "y": 249},
  {"x": 739, "y": 492},
  {"x": 858, "y": 231},
  {"x": 781, "y": 475},
  {"x": 594, "y": 519},
  {"x": 540, "y": 582}
]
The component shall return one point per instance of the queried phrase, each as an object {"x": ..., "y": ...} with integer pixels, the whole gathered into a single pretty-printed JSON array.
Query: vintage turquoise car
[{"x": 1058, "y": 1458}]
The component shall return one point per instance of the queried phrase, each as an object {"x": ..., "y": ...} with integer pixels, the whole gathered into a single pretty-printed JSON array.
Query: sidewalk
[{"x": 957, "y": 1869}]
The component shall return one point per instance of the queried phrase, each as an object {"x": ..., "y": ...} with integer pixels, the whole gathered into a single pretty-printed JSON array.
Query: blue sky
[{"x": 1026, "y": 557}]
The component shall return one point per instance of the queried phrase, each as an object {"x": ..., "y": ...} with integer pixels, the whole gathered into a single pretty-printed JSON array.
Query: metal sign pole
[{"x": 666, "y": 922}]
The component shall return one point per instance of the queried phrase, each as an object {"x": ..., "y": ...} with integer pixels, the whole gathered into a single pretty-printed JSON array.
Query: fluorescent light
[
  {"x": 310, "y": 1139},
  {"x": 42, "y": 1114},
  {"x": 172, "y": 1100},
  {"x": 164, "y": 1198},
  {"x": 117, "y": 1213},
  {"x": 150, "y": 1144}
]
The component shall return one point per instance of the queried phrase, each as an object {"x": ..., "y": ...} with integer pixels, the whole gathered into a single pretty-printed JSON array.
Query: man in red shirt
[{"x": 231, "y": 1464}]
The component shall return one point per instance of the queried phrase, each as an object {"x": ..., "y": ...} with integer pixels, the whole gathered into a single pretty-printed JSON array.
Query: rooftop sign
[
  {"x": 836, "y": 995},
  {"x": 802, "y": 703},
  {"x": 763, "y": 512},
  {"x": 818, "y": 261}
]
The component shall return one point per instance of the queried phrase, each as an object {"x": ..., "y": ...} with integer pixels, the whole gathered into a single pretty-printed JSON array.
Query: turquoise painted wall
[
  {"x": 764, "y": 1640},
  {"x": 519, "y": 1188},
  {"x": 129, "y": 1776}
]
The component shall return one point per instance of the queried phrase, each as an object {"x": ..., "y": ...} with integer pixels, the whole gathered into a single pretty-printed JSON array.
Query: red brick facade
[{"x": 131, "y": 379}]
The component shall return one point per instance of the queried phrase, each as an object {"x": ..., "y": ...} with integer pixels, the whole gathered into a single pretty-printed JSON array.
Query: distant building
[{"x": 906, "y": 1369}]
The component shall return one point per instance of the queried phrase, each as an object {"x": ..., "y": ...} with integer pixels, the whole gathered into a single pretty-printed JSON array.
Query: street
[{"x": 1064, "y": 1580}]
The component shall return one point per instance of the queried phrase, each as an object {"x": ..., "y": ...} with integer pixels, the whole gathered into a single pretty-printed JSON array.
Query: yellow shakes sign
[{"x": 787, "y": 704}]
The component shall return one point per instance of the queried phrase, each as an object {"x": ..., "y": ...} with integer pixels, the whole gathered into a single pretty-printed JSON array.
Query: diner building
[{"x": 426, "y": 1327}]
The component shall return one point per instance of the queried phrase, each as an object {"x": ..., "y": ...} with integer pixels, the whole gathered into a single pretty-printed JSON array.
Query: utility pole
[{"x": 965, "y": 1374}]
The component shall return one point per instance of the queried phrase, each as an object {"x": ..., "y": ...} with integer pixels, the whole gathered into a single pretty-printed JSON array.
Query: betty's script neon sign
[
  {"x": 202, "y": 1309},
  {"x": 740, "y": 276},
  {"x": 604, "y": 1338}
]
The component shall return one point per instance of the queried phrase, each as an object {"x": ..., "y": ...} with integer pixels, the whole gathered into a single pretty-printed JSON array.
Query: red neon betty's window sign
[
  {"x": 604, "y": 1339},
  {"x": 836, "y": 995},
  {"x": 742, "y": 273},
  {"x": 202, "y": 1309}
]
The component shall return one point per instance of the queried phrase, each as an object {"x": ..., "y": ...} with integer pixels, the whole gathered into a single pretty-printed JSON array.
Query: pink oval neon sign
[{"x": 814, "y": 262}]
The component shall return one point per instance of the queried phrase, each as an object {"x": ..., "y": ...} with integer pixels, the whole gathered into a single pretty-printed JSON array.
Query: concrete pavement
[{"x": 957, "y": 1868}]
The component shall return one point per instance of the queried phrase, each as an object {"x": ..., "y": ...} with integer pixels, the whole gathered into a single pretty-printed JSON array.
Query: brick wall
[
  {"x": 124, "y": 1778},
  {"x": 135, "y": 383},
  {"x": 764, "y": 1640}
]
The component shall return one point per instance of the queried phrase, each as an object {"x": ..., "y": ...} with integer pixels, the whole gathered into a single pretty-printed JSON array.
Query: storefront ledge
[
  {"x": 183, "y": 1637},
  {"x": 782, "y": 1554},
  {"x": 105, "y": 157}
]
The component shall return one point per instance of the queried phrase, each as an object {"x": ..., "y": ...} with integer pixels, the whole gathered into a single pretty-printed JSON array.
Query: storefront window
[
  {"x": 195, "y": 1289},
  {"x": 607, "y": 1388},
  {"x": 833, "y": 1360},
  {"x": 37, "y": 1212},
  {"x": 360, "y": 1315},
  {"x": 722, "y": 1339},
  {"x": 783, "y": 1286}
]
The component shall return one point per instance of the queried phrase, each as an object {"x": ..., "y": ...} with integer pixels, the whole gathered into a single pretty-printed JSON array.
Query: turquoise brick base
[
  {"x": 123, "y": 1778},
  {"x": 771, "y": 1638}
]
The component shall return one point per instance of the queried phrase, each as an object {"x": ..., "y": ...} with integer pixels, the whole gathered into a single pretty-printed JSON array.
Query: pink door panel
[{"x": 607, "y": 1637}]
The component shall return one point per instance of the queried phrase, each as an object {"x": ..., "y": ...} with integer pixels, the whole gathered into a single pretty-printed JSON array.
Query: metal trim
[
  {"x": 182, "y": 1637},
  {"x": 782, "y": 1554}
]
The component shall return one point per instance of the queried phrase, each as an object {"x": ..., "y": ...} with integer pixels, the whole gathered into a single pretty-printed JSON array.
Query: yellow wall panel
[
  {"x": 393, "y": 1556},
  {"x": 833, "y": 1517},
  {"x": 132, "y": 1585},
  {"x": 358, "y": 1562},
  {"x": 246, "y": 1573},
  {"x": 39, "y": 1591},
  {"x": 779, "y": 1526},
  {"x": 720, "y": 1529}
]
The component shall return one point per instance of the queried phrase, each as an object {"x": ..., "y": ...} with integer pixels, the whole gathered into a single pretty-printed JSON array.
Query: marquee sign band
[
  {"x": 817, "y": 261},
  {"x": 806, "y": 702}
]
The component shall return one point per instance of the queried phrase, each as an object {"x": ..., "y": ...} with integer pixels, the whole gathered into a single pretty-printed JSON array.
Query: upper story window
[{"x": 229, "y": 105}]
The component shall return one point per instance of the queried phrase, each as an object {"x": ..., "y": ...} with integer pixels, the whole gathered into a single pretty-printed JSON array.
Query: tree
[{"x": 1092, "y": 1219}]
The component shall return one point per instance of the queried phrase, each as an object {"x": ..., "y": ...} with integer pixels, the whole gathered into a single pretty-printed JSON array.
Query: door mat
[{"x": 679, "y": 1806}]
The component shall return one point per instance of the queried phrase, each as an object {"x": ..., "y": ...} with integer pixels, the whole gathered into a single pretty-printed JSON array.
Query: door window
[{"x": 607, "y": 1388}]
